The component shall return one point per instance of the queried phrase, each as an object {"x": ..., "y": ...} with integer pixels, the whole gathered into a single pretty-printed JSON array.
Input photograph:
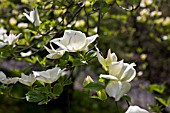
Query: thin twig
[
  {"x": 98, "y": 23},
  {"x": 87, "y": 20},
  {"x": 117, "y": 107}
]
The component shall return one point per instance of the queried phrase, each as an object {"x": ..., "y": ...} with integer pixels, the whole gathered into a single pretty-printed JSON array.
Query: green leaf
[
  {"x": 127, "y": 98},
  {"x": 28, "y": 69},
  {"x": 158, "y": 88},
  {"x": 168, "y": 101},
  {"x": 94, "y": 86},
  {"x": 156, "y": 108},
  {"x": 44, "y": 102},
  {"x": 95, "y": 97},
  {"x": 43, "y": 89},
  {"x": 68, "y": 82},
  {"x": 63, "y": 63},
  {"x": 34, "y": 96},
  {"x": 101, "y": 95},
  {"x": 104, "y": 7},
  {"x": 78, "y": 62},
  {"x": 5, "y": 89},
  {"x": 134, "y": 1},
  {"x": 162, "y": 101},
  {"x": 91, "y": 54},
  {"x": 57, "y": 89},
  {"x": 92, "y": 1},
  {"x": 61, "y": 79}
]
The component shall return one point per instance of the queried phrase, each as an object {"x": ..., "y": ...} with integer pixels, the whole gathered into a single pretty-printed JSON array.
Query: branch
[
  {"x": 99, "y": 19},
  {"x": 87, "y": 21}
]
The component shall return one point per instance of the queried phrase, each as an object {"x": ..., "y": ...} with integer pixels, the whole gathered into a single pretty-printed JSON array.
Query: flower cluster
[
  {"x": 5, "y": 39},
  {"x": 48, "y": 76},
  {"x": 120, "y": 74},
  {"x": 72, "y": 41}
]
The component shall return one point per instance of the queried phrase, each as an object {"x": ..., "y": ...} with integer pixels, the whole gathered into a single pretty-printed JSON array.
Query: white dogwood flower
[
  {"x": 136, "y": 109},
  {"x": 5, "y": 80},
  {"x": 11, "y": 38},
  {"x": 117, "y": 89},
  {"x": 54, "y": 53},
  {"x": 48, "y": 76},
  {"x": 27, "y": 80},
  {"x": 120, "y": 71},
  {"x": 33, "y": 17},
  {"x": 111, "y": 57},
  {"x": 74, "y": 41}
]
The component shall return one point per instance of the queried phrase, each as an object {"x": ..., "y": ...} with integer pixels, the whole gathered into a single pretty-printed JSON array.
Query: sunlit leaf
[{"x": 94, "y": 86}]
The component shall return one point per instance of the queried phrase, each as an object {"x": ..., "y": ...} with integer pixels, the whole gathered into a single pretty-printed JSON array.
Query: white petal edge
[
  {"x": 28, "y": 17},
  {"x": 111, "y": 77},
  {"x": 117, "y": 89},
  {"x": 91, "y": 39},
  {"x": 115, "y": 68},
  {"x": 129, "y": 73},
  {"x": 136, "y": 109},
  {"x": 2, "y": 76}
]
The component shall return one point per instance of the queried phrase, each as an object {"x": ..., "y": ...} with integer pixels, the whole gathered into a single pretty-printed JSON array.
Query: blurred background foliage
[{"x": 136, "y": 33}]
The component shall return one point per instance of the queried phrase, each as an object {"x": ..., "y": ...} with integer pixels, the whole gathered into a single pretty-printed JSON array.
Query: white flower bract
[
  {"x": 48, "y": 76},
  {"x": 136, "y": 109},
  {"x": 117, "y": 89},
  {"x": 5, "y": 80},
  {"x": 111, "y": 57},
  {"x": 11, "y": 38},
  {"x": 120, "y": 71},
  {"x": 54, "y": 54},
  {"x": 27, "y": 80},
  {"x": 33, "y": 17}
]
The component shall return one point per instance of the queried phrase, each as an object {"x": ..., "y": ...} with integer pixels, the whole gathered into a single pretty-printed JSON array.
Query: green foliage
[
  {"x": 156, "y": 108},
  {"x": 163, "y": 101},
  {"x": 57, "y": 89},
  {"x": 158, "y": 88},
  {"x": 34, "y": 96},
  {"x": 94, "y": 86}
]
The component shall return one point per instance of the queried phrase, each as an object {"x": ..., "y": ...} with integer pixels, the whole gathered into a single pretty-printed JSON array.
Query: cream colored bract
[
  {"x": 117, "y": 89},
  {"x": 48, "y": 76},
  {"x": 5, "y": 80},
  {"x": 33, "y": 17},
  {"x": 120, "y": 71},
  {"x": 111, "y": 57},
  {"x": 136, "y": 109},
  {"x": 27, "y": 80}
]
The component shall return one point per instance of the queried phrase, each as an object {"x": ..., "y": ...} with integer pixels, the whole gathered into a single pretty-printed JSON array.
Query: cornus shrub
[{"x": 58, "y": 38}]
